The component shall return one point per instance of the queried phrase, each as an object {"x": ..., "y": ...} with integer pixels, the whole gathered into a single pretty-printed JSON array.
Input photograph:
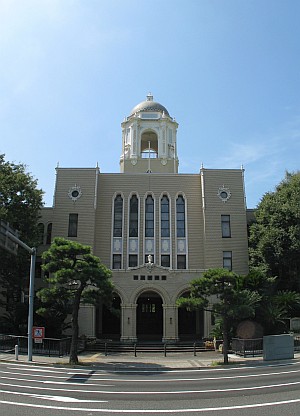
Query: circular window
[
  {"x": 75, "y": 192},
  {"x": 224, "y": 193}
]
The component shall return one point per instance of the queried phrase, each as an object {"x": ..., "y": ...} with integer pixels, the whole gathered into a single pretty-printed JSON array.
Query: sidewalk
[{"x": 145, "y": 361}]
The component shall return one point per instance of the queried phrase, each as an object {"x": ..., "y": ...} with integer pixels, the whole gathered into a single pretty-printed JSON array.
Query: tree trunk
[{"x": 73, "y": 359}]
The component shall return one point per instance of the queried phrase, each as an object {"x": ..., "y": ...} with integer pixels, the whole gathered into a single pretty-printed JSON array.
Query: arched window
[
  {"x": 49, "y": 233},
  {"x": 133, "y": 216},
  {"x": 41, "y": 233},
  {"x": 180, "y": 216},
  {"x": 165, "y": 216},
  {"x": 118, "y": 216},
  {"x": 149, "y": 216}
]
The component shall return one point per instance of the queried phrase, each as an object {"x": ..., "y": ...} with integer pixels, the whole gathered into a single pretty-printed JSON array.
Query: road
[{"x": 268, "y": 390}]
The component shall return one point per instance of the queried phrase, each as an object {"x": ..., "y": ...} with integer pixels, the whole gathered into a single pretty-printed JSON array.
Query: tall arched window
[
  {"x": 180, "y": 216},
  {"x": 41, "y": 233},
  {"x": 118, "y": 216},
  {"x": 133, "y": 231},
  {"x": 49, "y": 233},
  {"x": 165, "y": 216},
  {"x": 149, "y": 216},
  {"x": 133, "y": 216}
]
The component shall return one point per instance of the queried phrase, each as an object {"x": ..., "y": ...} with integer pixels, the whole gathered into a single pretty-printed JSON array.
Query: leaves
[
  {"x": 275, "y": 237},
  {"x": 20, "y": 203},
  {"x": 75, "y": 276}
]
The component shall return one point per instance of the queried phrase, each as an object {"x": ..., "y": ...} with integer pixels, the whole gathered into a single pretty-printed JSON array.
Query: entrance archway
[
  {"x": 149, "y": 317},
  {"x": 190, "y": 323}
]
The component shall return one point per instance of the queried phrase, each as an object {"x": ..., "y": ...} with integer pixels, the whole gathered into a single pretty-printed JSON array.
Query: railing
[
  {"x": 253, "y": 347},
  {"x": 247, "y": 347},
  {"x": 109, "y": 347},
  {"x": 49, "y": 346}
]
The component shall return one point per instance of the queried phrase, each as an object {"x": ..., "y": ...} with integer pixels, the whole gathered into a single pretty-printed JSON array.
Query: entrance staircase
[{"x": 117, "y": 347}]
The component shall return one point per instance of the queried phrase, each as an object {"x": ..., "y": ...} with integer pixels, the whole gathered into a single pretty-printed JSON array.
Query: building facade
[{"x": 155, "y": 228}]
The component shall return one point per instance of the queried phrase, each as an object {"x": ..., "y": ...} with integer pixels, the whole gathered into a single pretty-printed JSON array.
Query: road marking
[
  {"x": 62, "y": 399},
  {"x": 130, "y": 393},
  {"x": 156, "y": 411},
  {"x": 144, "y": 380}
]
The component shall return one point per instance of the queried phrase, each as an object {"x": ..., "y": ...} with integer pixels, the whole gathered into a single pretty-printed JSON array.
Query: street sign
[
  {"x": 5, "y": 241},
  {"x": 38, "y": 332}
]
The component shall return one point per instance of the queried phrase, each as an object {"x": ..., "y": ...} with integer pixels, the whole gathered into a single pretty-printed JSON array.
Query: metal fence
[
  {"x": 253, "y": 347},
  {"x": 49, "y": 346},
  {"x": 247, "y": 347}
]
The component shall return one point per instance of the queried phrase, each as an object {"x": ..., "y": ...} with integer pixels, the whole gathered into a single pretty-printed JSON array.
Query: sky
[{"x": 228, "y": 71}]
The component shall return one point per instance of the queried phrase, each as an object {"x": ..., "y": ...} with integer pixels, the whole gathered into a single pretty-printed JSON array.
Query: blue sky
[{"x": 227, "y": 70}]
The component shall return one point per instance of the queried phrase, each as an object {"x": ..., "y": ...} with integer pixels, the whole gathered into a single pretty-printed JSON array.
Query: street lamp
[{"x": 32, "y": 251}]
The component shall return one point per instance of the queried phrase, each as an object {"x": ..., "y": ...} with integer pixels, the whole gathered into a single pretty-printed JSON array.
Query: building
[{"x": 155, "y": 228}]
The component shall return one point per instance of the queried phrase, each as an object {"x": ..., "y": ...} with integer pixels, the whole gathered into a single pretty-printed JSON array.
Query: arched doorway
[
  {"x": 190, "y": 323},
  {"x": 110, "y": 320},
  {"x": 149, "y": 317}
]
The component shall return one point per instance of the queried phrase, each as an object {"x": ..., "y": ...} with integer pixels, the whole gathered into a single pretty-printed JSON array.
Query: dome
[{"x": 149, "y": 105}]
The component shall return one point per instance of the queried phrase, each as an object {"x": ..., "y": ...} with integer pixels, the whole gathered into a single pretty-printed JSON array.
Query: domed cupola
[
  {"x": 149, "y": 139},
  {"x": 149, "y": 106}
]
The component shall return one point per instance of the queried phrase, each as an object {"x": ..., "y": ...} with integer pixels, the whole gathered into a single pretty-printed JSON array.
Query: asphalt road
[{"x": 33, "y": 390}]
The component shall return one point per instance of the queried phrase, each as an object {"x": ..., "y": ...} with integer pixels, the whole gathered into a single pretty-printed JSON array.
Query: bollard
[
  {"x": 195, "y": 349},
  {"x": 165, "y": 349},
  {"x": 16, "y": 352},
  {"x": 105, "y": 349},
  {"x": 135, "y": 350}
]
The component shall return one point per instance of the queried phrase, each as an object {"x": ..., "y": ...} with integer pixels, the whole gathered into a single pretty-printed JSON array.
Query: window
[
  {"x": 148, "y": 307},
  {"x": 49, "y": 233},
  {"x": 118, "y": 216},
  {"x": 149, "y": 216},
  {"x": 165, "y": 216},
  {"x": 133, "y": 260},
  {"x": 165, "y": 260},
  {"x": 181, "y": 261},
  {"x": 227, "y": 260},
  {"x": 117, "y": 261},
  {"x": 41, "y": 233},
  {"x": 225, "y": 223},
  {"x": 73, "y": 225},
  {"x": 133, "y": 216},
  {"x": 180, "y": 216}
]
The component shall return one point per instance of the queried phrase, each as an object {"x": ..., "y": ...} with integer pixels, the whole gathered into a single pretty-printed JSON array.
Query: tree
[
  {"x": 74, "y": 274},
  {"x": 276, "y": 306},
  {"x": 20, "y": 203},
  {"x": 224, "y": 291},
  {"x": 275, "y": 236}
]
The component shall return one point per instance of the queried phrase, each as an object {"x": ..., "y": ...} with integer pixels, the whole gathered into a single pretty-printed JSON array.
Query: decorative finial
[
  {"x": 149, "y": 97},
  {"x": 202, "y": 166}
]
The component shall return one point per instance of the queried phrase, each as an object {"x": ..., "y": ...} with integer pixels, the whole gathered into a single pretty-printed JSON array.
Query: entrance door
[
  {"x": 190, "y": 324},
  {"x": 149, "y": 317}
]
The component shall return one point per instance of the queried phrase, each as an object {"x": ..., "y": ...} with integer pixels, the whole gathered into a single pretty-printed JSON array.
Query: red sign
[{"x": 38, "y": 332}]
